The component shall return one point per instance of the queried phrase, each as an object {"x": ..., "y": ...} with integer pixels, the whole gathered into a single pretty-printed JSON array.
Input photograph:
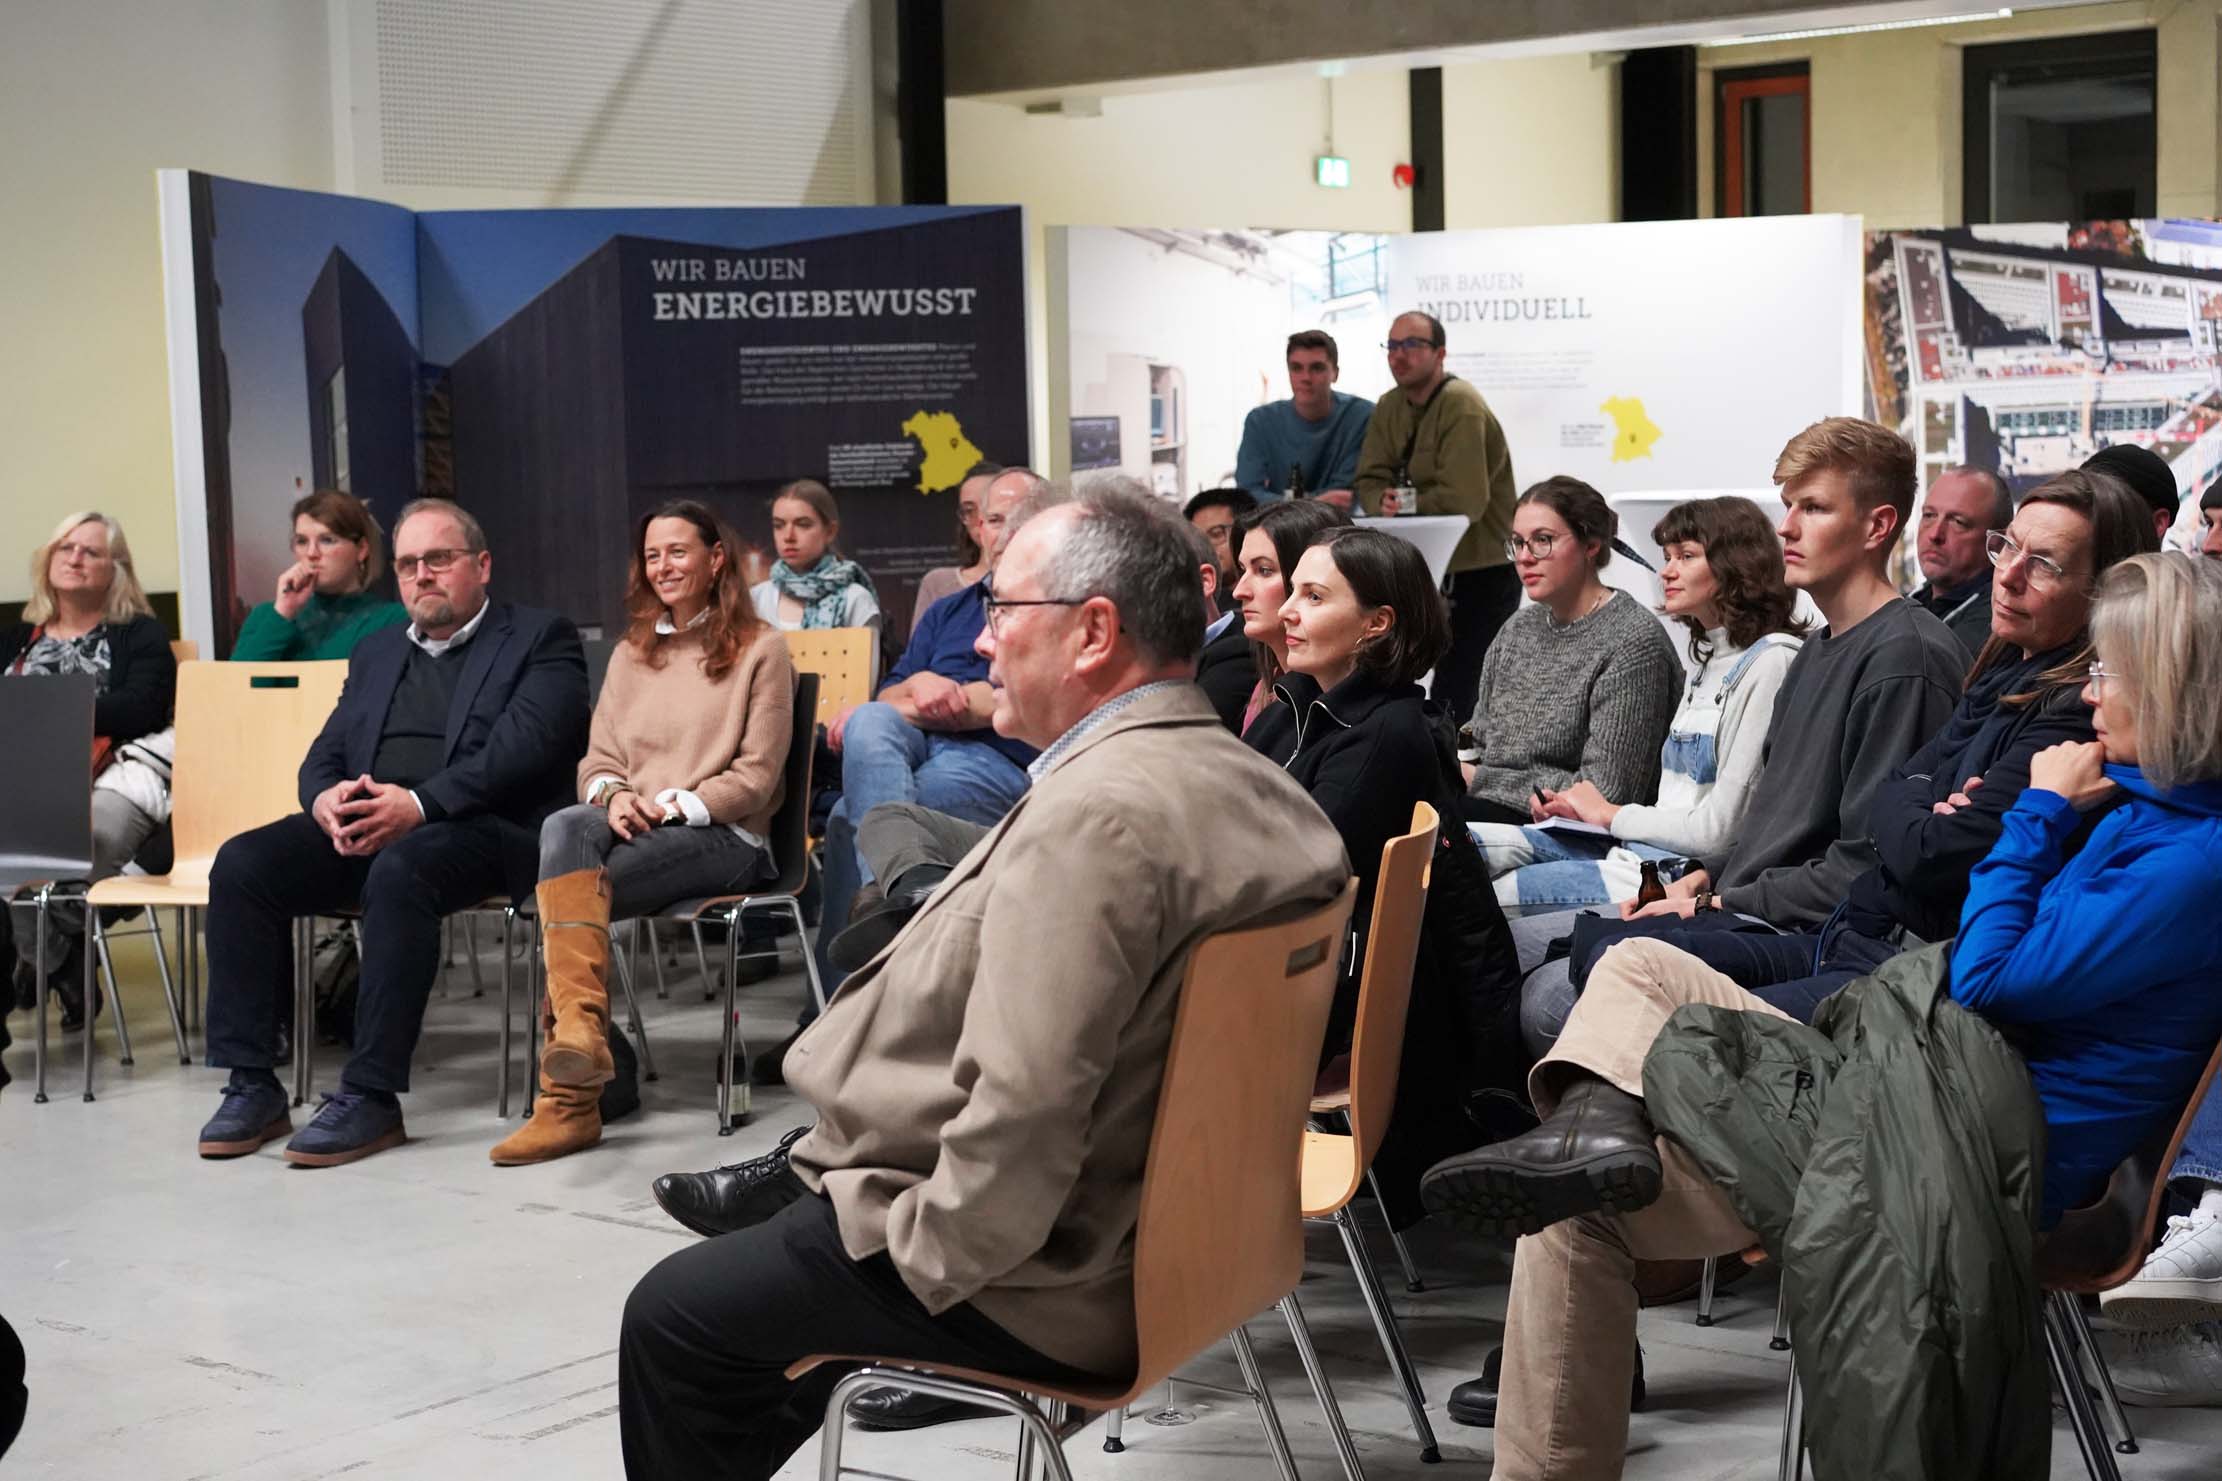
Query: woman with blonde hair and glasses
[
  {"x": 328, "y": 600},
  {"x": 88, "y": 615}
]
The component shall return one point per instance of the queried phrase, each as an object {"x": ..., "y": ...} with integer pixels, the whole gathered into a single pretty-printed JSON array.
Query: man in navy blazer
[{"x": 454, "y": 738}]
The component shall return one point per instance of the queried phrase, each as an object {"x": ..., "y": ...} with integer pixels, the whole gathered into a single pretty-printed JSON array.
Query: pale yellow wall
[
  {"x": 95, "y": 96},
  {"x": 1531, "y": 142},
  {"x": 1886, "y": 108}
]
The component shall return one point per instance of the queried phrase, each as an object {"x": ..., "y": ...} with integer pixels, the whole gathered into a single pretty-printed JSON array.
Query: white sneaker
[
  {"x": 2181, "y": 1281},
  {"x": 2181, "y": 1366}
]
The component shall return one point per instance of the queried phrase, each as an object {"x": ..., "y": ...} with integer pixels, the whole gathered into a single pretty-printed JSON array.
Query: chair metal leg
[
  {"x": 1705, "y": 1291},
  {"x": 1780, "y": 1342},
  {"x": 632, "y": 1004},
  {"x": 1023, "y": 1470},
  {"x": 1268, "y": 1416},
  {"x": 536, "y": 984},
  {"x": 2078, "y": 1328},
  {"x": 702, "y": 960},
  {"x": 197, "y": 963},
  {"x": 809, "y": 957},
  {"x": 1412, "y": 1281},
  {"x": 656, "y": 957},
  {"x": 1392, "y": 1340},
  {"x": 501, "y": 1087},
  {"x": 470, "y": 940},
  {"x": 1324, "y": 1392},
  {"x": 98, "y": 940},
  {"x": 1792, "y": 1467},
  {"x": 91, "y": 957},
  {"x": 729, "y": 1036},
  {"x": 2083, "y": 1420},
  {"x": 1114, "y": 1427},
  {"x": 38, "y": 966},
  {"x": 169, "y": 985}
]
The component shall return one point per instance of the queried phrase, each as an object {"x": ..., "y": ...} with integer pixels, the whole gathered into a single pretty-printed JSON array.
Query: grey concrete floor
[{"x": 426, "y": 1315}]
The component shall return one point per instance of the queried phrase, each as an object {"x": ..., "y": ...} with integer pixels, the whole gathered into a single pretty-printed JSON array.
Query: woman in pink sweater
[{"x": 681, "y": 777}]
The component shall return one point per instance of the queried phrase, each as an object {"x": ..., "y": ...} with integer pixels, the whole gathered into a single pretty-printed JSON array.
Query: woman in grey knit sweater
[{"x": 1581, "y": 684}]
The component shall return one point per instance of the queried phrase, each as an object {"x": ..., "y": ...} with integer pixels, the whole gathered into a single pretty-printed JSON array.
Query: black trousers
[
  {"x": 265, "y": 879},
  {"x": 708, "y": 1335},
  {"x": 15, "y": 1397},
  {"x": 1480, "y": 601}
]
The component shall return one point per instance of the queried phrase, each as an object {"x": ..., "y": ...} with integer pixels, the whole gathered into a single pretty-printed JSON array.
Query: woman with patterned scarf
[{"x": 812, "y": 584}]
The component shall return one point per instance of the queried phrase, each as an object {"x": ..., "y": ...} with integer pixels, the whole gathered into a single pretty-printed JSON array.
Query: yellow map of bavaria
[
  {"x": 1633, "y": 429},
  {"x": 949, "y": 453}
]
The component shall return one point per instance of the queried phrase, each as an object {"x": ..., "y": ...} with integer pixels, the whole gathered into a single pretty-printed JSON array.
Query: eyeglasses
[
  {"x": 2044, "y": 573},
  {"x": 1410, "y": 342},
  {"x": 1538, "y": 544},
  {"x": 995, "y": 606},
  {"x": 2099, "y": 676},
  {"x": 90, "y": 553},
  {"x": 435, "y": 561}
]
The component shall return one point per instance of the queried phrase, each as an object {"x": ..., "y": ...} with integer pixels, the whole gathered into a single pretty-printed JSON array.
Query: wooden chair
[
  {"x": 1336, "y": 1165},
  {"x": 242, "y": 729},
  {"x": 46, "y": 830},
  {"x": 844, "y": 660},
  {"x": 2092, "y": 1249},
  {"x": 184, "y": 650},
  {"x": 1219, "y": 1239}
]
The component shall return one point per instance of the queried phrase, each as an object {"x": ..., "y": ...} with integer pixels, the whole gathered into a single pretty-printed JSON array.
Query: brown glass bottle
[{"x": 1650, "y": 888}]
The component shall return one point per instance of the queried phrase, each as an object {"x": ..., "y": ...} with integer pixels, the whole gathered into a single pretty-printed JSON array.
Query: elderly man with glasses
[
  {"x": 455, "y": 737},
  {"x": 1434, "y": 447},
  {"x": 1964, "y": 506}
]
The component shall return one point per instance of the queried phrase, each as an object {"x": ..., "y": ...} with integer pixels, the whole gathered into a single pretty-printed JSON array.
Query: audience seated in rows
[
  {"x": 682, "y": 774},
  {"x": 972, "y": 554},
  {"x": 970, "y": 1191},
  {"x": 1580, "y": 685},
  {"x": 1962, "y": 507},
  {"x": 332, "y": 596},
  {"x": 454, "y": 740},
  {"x": 1982, "y": 1088},
  {"x": 812, "y": 585},
  {"x": 1363, "y": 621},
  {"x": 88, "y": 615},
  {"x": 1268, "y": 542},
  {"x": 1723, "y": 582}
]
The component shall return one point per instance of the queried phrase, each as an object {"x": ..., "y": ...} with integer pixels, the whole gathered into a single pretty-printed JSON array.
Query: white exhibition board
[{"x": 1714, "y": 341}]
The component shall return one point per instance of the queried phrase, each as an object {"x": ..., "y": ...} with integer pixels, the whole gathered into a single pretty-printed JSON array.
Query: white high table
[{"x": 1436, "y": 535}]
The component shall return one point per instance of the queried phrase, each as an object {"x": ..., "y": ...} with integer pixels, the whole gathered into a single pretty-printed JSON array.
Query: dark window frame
[
  {"x": 2099, "y": 54},
  {"x": 1740, "y": 81}
]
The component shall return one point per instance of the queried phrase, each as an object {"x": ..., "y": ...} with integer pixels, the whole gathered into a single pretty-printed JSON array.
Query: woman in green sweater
[{"x": 325, "y": 603}]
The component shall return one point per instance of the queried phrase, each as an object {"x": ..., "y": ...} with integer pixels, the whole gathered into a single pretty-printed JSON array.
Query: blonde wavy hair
[
  {"x": 2157, "y": 624},
  {"x": 126, "y": 599}
]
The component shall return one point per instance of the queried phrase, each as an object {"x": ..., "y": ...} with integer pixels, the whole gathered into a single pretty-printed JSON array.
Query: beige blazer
[{"x": 986, "y": 1086}]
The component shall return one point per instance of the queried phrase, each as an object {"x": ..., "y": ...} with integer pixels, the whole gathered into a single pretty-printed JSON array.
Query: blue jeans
[
  {"x": 885, "y": 758},
  {"x": 1542, "y": 870},
  {"x": 2201, "y": 1158}
]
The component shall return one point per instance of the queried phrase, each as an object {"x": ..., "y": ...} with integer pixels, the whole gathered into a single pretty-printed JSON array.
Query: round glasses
[{"x": 2042, "y": 572}]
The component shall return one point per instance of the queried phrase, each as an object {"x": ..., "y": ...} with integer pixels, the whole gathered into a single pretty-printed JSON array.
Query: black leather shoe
[
  {"x": 900, "y": 1409},
  {"x": 1593, "y": 1153},
  {"x": 1474, "y": 1402},
  {"x": 869, "y": 933},
  {"x": 738, "y": 1196}
]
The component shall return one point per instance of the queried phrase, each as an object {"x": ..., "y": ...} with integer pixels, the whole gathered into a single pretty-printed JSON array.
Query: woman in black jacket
[
  {"x": 88, "y": 615},
  {"x": 1362, "y": 622}
]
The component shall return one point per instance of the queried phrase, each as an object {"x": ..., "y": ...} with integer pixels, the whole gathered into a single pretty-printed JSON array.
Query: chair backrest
[
  {"x": 598, "y": 651},
  {"x": 790, "y": 838},
  {"x": 184, "y": 650},
  {"x": 841, "y": 657},
  {"x": 242, "y": 731},
  {"x": 2101, "y": 1245},
  {"x": 1221, "y": 1232},
  {"x": 1385, "y": 985},
  {"x": 46, "y": 814}
]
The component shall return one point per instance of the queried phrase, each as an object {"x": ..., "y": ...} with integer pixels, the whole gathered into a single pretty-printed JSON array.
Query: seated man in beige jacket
[{"x": 985, "y": 1087}]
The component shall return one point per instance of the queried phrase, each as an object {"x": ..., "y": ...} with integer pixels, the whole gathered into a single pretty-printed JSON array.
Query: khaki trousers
[{"x": 1570, "y": 1321}]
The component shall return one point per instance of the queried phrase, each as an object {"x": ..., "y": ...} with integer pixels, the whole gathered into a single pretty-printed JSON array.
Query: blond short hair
[
  {"x": 2157, "y": 625},
  {"x": 126, "y": 600},
  {"x": 1880, "y": 464}
]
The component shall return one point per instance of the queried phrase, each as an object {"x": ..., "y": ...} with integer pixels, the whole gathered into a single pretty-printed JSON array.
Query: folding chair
[
  {"x": 46, "y": 830},
  {"x": 1220, "y": 1236}
]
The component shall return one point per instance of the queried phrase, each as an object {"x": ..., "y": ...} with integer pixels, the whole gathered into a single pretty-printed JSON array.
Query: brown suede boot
[
  {"x": 575, "y": 930},
  {"x": 565, "y": 1119}
]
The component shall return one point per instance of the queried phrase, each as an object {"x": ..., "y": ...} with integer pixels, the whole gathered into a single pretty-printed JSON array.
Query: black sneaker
[
  {"x": 739, "y": 1195},
  {"x": 253, "y": 1112},
  {"x": 349, "y": 1126}
]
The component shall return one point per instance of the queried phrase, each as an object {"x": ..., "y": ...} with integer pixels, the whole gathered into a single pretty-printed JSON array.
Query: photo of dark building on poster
[
  {"x": 362, "y": 389},
  {"x": 878, "y": 362}
]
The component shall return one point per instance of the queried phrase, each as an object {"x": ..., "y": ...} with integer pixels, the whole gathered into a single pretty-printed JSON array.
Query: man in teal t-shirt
[{"x": 1317, "y": 431}]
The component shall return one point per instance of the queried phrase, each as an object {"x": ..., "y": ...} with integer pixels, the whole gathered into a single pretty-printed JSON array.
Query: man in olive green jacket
[{"x": 986, "y": 1086}]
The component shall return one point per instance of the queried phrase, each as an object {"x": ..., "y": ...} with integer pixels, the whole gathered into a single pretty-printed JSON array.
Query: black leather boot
[{"x": 1594, "y": 1153}]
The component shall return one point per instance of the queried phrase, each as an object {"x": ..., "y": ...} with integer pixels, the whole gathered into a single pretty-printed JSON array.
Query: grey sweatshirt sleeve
[
  {"x": 1630, "y": 706},
  {"x": 1707, "y": 831},
  {"x": 1889, "y": 720}
]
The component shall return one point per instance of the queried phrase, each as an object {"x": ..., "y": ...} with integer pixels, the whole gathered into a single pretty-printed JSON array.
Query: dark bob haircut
[
  {"x": 1745, "y": 556},
  {"x": 1384, "y": 571},
  {"x": 1583, "y": 508}
]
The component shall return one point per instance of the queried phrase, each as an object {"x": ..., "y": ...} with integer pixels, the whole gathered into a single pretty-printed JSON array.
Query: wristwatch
[{"x": 1707, "y": 900}]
